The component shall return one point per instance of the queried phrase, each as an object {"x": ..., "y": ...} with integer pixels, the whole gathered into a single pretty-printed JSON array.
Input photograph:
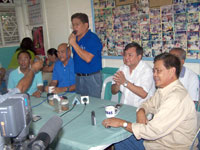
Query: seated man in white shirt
[
  {"x": 135, "y": 78},
  {"x": 188, "y": 78}
]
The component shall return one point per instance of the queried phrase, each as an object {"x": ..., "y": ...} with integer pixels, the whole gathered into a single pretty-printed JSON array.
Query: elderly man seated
[{"x": 63, "y": 78}]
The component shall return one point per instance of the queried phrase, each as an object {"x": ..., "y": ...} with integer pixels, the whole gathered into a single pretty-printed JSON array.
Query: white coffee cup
[
  {"x": 51, "y": 89},
  {"x": 111, "y": 111}
]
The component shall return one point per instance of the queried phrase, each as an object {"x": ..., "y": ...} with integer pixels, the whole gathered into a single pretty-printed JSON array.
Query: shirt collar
[
  {"x": 182, "y": 72},
  {"x": 84, "y": 35},
  {"x": 168, "y": 88},
  {"x": 137, "y": 68},
  {"x": 19, "y": 71}
]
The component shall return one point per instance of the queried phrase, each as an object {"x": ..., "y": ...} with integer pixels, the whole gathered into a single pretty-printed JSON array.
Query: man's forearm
[
  {"x": 68, "y": 89},
  {"x": 26, "y": 81},
  {"x": 86, "y": 56},
  {"x": 72, "y": 87},
  {"x": 139, "y": 91}
]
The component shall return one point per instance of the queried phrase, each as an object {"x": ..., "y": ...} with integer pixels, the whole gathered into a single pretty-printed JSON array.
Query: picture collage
[{"x": 157, "y": 29}]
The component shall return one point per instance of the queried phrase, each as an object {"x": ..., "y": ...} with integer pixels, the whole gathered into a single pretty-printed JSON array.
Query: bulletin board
[
  {"x": 34, "y": 12},
  {"x": 157, "y": 28}
]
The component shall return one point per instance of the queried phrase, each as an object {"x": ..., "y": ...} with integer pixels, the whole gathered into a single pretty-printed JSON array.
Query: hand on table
[
  {"x": 37, "y": 94},
  {"x": 112, "y": 122}
]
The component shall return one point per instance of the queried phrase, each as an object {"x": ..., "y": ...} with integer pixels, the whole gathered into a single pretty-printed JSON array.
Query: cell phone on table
[{"x": 36, "y": 118}]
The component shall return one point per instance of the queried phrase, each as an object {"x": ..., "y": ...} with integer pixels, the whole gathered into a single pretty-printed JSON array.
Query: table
[{"x": 80, "y": 134}]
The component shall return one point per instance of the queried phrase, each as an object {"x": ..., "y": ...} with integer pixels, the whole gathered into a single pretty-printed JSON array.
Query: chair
[
  {"x": 198, "y": 132},
  {"x": 103, "y": 92}
]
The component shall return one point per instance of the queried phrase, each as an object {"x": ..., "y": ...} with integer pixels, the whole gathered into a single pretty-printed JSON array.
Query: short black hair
[
  {"x": 83, "y": 17},
  {"x": 52, "y": 51},
  {"x": 139, "y": 49},
  {"x": 24, "y": 51},
  {"x": 181, "y": 52},
  {"x": 170, "y": 61},
  {"x": 27, "y": 44}
]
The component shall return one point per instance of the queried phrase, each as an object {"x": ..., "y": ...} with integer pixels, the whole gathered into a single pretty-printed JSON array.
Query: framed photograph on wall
[{"x": 123, "y": 2}]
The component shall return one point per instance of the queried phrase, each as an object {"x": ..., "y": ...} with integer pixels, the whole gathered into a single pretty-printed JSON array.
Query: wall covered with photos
[{"x": 156, "y": 29}]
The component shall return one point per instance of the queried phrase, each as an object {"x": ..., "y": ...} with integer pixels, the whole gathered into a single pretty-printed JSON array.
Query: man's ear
[
  {"x": 172, "y": 71},
  {"x": 140, "y": 56},
  {"x": 182, "y": 62},
  {"x": 86, "y": 24}
]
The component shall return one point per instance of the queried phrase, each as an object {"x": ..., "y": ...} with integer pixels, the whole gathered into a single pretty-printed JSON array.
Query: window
[{"x": 9, "y": 34}]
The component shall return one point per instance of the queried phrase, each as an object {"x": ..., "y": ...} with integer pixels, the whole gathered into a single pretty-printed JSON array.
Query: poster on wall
[
  {"x": 37, "y": 33},
  {"x": 34, "y": 12},
  {"x": 174, "y": 24}
]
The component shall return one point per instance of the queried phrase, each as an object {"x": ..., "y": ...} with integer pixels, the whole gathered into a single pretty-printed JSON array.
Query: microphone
[
  {"x": 74, "y": 32},
  {"x": 47, "y": 133},
  {"x": 93, "y": 118}
]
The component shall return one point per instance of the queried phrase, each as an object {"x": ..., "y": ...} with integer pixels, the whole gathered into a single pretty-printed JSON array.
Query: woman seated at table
[
  {"x": 52, "y": 58},
  {"x": 48, "y": 68}
]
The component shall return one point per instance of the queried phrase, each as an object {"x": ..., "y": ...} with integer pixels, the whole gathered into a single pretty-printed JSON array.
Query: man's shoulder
[
  {"x": 14, "y": 72},
  {"x": 190, "y": 71},
  {"x": 57, "y": 63},
  {"x": 190, "y": 74},
  {"x": 177, "y": 89},
  {"x": 144, "y": 67},
  {"x": 145, "y": 64},
  {"x": 92, "y": 35},
  {"x": 39, "y": 73}
]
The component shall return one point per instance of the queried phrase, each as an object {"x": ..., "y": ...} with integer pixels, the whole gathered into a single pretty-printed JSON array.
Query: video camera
[
  {"x": 15, "y": 120},
  {"x": 15, "y": 116}
]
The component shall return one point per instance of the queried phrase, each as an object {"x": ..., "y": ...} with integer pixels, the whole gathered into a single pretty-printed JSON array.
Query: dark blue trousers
[{"x": 130, "y": 143}]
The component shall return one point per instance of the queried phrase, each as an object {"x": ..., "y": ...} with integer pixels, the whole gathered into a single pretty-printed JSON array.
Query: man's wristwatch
[
  {"x": 125, "y": 84},
  {"x": 125, "y": 124}
]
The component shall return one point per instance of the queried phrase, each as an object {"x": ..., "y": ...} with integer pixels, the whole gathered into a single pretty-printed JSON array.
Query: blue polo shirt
[
  {"x": 64, "y": 74},
  {"x": 91, "y": 43}
]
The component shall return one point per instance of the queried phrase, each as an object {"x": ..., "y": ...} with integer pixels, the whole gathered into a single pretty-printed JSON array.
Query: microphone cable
[
  {"x": 69, "y": 109},
  {"x": 39, "y": 103},
  {"x": 75, "y": 117}
]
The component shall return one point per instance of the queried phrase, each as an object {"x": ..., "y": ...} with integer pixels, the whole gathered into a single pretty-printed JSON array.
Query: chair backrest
[
  {"x": 198, "y": 132},
  {"x": 103, "y": 92}
]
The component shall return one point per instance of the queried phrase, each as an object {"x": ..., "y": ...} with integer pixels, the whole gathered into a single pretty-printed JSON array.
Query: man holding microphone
[{"x": 86, "y": 48}]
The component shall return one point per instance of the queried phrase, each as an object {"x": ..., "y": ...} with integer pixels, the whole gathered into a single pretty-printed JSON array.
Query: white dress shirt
[
  {"x": 141, "y": 76},
  {"x": 190, "y": 81}
]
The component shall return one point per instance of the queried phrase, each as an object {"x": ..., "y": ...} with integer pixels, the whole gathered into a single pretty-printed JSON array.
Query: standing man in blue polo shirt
[
  {"x": 63, "y": 77},
  {"x": 87, "y": 49}
]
